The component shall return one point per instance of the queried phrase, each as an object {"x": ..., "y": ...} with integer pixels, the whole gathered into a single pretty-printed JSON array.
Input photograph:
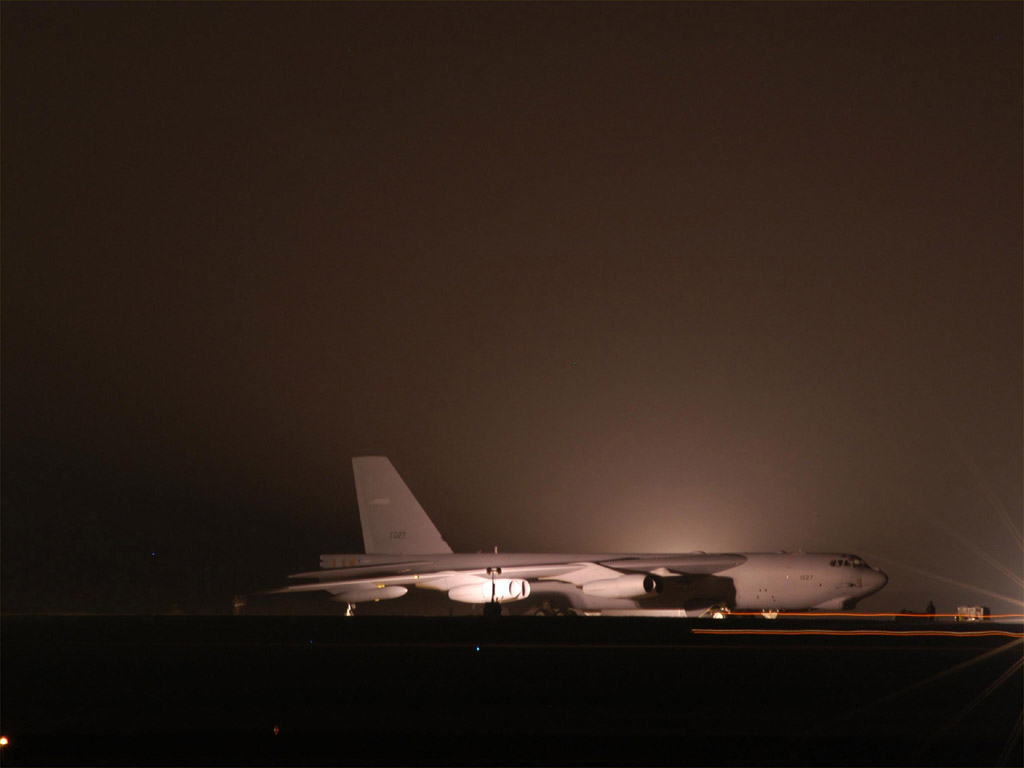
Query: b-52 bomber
[{"x": 404, "y": 549}]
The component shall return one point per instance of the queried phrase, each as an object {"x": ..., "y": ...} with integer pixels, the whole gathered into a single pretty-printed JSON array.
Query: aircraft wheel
[
  {"x": 715, "y": 612},
  {"x": 492, "y": 609}
]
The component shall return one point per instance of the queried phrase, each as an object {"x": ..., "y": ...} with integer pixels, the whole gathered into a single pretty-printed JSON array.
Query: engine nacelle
[
  {"x": 368, "y": 594},
  {"x": 498, "y": 591},
  {"x": 631, "y": 585}
]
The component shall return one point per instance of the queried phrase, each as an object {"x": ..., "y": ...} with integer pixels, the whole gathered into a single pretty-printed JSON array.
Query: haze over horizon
[{"x": 595, "y": 277}]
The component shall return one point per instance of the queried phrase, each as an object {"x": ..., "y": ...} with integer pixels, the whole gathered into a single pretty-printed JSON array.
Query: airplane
[{"x": 404, "y": 549}]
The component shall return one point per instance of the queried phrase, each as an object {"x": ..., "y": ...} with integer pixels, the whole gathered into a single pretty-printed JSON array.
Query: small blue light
[
  {"x": 153, "y": 554},
  {"x": 478, "y": 647}
]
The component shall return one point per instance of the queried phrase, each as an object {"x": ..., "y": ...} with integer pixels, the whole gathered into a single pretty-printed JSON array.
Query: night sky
[{"x": 596, "y": 277}]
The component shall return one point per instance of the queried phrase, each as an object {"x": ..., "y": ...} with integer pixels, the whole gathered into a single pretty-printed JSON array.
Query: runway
[{"x": 270, "y": 690}]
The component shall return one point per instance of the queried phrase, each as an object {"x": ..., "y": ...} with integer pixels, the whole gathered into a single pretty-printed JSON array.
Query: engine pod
[
  {"x": 496, "y": 591},
  {"x": 630, "y": 585}
]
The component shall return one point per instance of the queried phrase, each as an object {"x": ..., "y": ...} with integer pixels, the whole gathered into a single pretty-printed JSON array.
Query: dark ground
[{"x": 179, "y": 690}]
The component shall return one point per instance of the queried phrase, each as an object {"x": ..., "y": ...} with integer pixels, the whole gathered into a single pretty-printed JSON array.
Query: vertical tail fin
[{"x": 393, "y": 521}]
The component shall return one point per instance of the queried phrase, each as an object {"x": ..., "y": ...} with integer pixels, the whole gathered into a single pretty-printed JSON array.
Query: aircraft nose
[{"x": 877, "y": 581}]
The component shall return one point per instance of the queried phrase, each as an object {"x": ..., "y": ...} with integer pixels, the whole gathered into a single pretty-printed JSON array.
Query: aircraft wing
[
  {"x": 420, "y": 572},
  {"x": 395, "y": 568},
  {"x": 442, "y": 579},
  {"x": 695, "y": 564},
  {"x": 340, "y": 584}
]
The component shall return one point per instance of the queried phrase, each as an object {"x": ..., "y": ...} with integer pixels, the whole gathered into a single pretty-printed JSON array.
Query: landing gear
[
  {"x": 350, "y": 609},
  {"x": 493, "y": 608},
  {"x": 546, "y": 609},
  {"x": 715, "y": 612}
]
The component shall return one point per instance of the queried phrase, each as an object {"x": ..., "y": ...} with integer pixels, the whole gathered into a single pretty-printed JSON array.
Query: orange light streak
[
  {"x": 875, "y": 632},
  {"x": 848, "y": 614}
]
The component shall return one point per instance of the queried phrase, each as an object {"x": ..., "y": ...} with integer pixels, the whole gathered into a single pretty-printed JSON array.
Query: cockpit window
[{"x": 855, "y": 562}]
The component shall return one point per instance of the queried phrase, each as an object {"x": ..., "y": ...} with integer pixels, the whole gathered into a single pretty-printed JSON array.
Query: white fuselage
[
  {"x": 778, "y": 581},
  {"x": 799, "y": 581}
]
